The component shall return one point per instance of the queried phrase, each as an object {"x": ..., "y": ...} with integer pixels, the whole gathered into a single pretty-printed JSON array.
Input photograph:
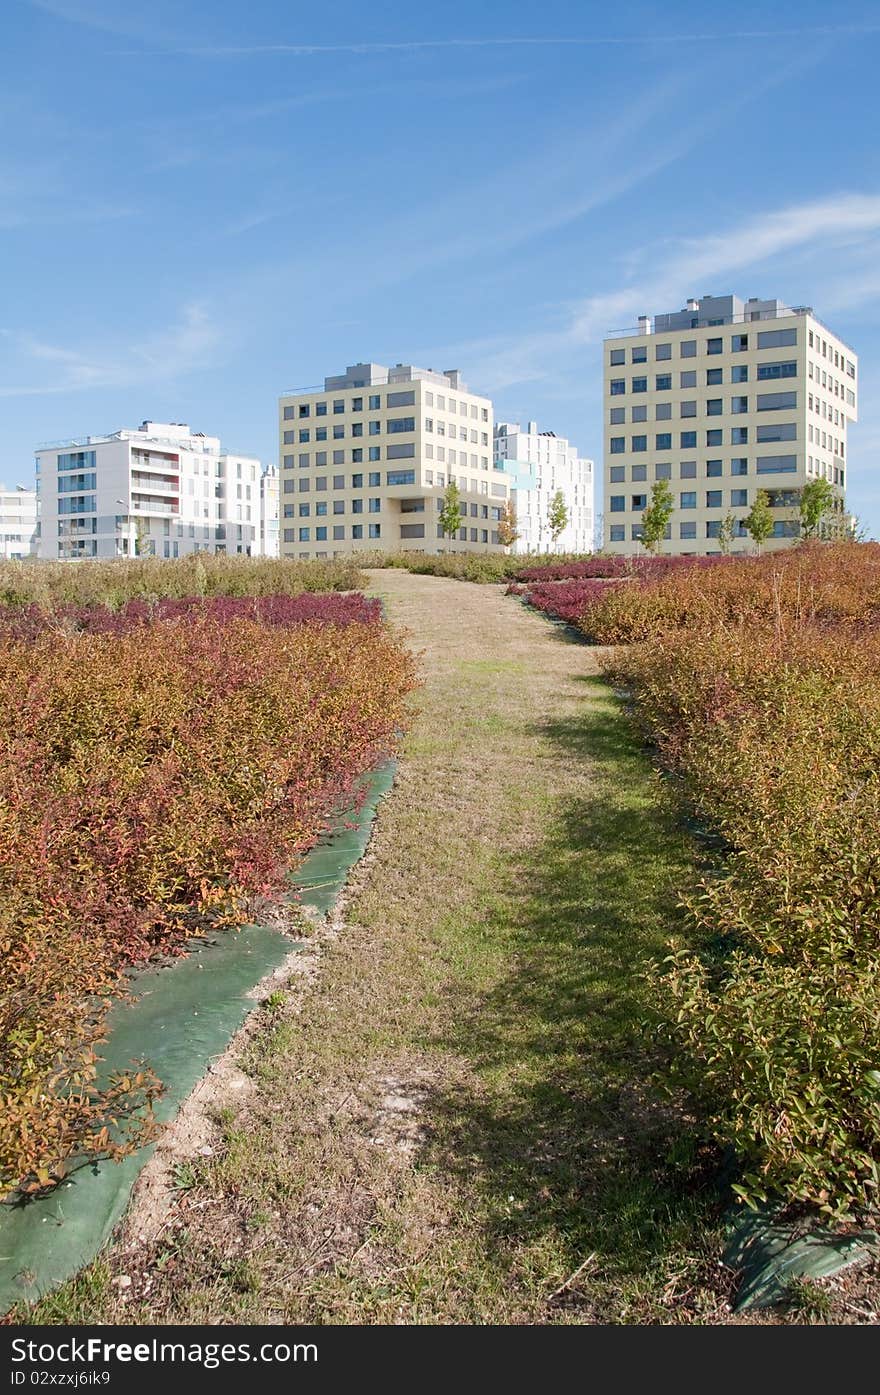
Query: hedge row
[
  {"x": 769, "y": 722},
  {"x": 155, "y": 778},
  {"x": 112, "y": 583}
]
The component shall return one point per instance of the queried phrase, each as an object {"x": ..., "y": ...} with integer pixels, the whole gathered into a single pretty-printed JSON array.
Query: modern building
[
  {"x": 722, "y": 399},
  {"x": 269, "y": 500},
  {"x": 160, "y": 490},
  {"x": 18, "y": 523},
  {"x": 365, "y": 461},
  {"x": 539, "y": 464}
]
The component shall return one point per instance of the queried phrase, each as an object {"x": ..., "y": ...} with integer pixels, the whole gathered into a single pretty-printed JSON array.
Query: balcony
[
  {"x": 148, "y": 506},
  {"x": 146, "y": 484}
]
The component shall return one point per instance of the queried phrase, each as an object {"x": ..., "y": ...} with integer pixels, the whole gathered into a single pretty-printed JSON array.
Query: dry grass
[{"x": 454, "y": 1120}]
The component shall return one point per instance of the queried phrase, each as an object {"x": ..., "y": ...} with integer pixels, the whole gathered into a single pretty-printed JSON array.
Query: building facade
[
  {"x": 539, "y": 463},
  {"x": 366, "y": 459},
  {"x": 160, "y": 491},
  {"x": 723, "y": 398},
  {"x": 18, "y": 523},
  {"x": 269, "y": 503}
]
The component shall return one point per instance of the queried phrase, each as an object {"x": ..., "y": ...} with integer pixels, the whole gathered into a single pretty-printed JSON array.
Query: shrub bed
[
  {"x": 562, "y": 600},
  {"x": 158, "y": 772},
  {"x": 819, "y": 581},
  {"x": 54, "y": 584},
  {"x": 771, "y": 730}
]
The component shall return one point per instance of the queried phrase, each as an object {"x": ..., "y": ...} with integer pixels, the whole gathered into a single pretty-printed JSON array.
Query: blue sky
[{"x": 203, "y": 203}]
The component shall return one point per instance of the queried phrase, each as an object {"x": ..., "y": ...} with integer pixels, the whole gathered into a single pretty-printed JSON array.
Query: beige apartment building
[
  {"x": 722, "y": 399},
  {"x": 366, "y": 459}
]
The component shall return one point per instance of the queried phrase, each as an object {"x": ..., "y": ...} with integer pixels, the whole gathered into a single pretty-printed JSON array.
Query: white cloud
[{"x": 183, "y": 348}]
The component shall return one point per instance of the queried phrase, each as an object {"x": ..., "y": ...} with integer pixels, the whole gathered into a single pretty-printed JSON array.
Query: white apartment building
[
  {"x": 722, "y": 399},
  {"x": 269, "y": 502},
  {"x": 160, "y": 490},
  {"x": 539, "y": 463},
  {"x": 365, "y": 461},
  {"x": 18, "y": 523}
]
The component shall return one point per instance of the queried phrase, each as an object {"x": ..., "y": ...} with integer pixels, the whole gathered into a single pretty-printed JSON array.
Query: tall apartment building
[
  {"x": 365, "y": 461},
  {"x": 160, "y": 490},
  {"x": 18, "y": 523},
  {"x": 269, "y": 504},
  {"x": 539, "y": 463},
  {"x": 723, "y": 398}
]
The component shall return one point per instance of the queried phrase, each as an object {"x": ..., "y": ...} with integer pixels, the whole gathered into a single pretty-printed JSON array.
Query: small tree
[
  {"x": 557, "y": 516},
  {"x": 759, "y": 520},
  {"x": 726, "y": 533},
  {"x": 507, "y": 529},
  {"x": 451, "y": 517},
  {"x": 817, "y": 500},
  {"x": 655, "y": 519}
]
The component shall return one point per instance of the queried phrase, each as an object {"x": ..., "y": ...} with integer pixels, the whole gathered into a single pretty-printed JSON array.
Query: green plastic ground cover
[
  {"x": 182, "y": 1017},
  {"x": 770, "y": 1254}
]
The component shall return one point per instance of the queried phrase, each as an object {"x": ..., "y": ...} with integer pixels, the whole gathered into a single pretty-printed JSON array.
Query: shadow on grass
[{"x": 564, "y": 1132}]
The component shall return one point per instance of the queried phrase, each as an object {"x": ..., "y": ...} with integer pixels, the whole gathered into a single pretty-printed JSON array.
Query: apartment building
[
  {"x": 160, "y": 490},
  {"x": 269, "y": 505},
  {"x": 18, "y": 523},
  {"x": 539, "y": 464},
  {"x": 722, "y": 399},
  {"x": 365, "y": 461}
]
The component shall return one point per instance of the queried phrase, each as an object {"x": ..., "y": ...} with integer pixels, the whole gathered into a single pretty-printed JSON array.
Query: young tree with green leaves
[
  {"x": 655, "y": 519},
  {"x": 817, "y": 500},
  {"x": 451, "y": 517},
  {"x": 557, "y": 516},
  {"x": 508, "y": 532},
  {"x": 726, "y": 533},
  {"x": 759, "y": 520}
]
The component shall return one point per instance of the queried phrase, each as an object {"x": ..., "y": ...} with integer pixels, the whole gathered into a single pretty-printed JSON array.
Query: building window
[
  {"x": 338, "y": 532},
  {"x": 713, "y": 407},
  {"x": 320, "y": 409},
  {"x": 739, "y": 405},
  {"x": 714, "y": 437},
  {"x": 338, "y": 406},
  {"x": 739, "y": 498},
  {"x": 618, "y": 386},
  {"x": 400, "y": 477},
  {"x": 357, "y": 481},
  {"x": 687, "y": 530},
  {"x": 688, "y": 409},
  {"x": 339, "y": 481},
  {"x": 776, "y": 401},
  {"x": 713, "y": 498},
  {"x": 688, "y": 348},
  {"x": 305, "y": 534},
  {"x": 640, "y": 413},
  {"x": 304, "y": 510},
  {"x": 639, "y": 501},
  {"x": 617, "y": 503},
  {"x": 688, "y": 500},
  {"x": 616, "y": 474},
  {"x": 617, "y": 532},
  {"x": 739, "y": 342},
  {"x": 401, "y": 450},
  {"x": 776, "y": 464},
  {"x": 662, "y": 351},
  {"x": 375, "y": 402},
  {"x": 618, "y": 416},
  {"x": 688, "y": 440},
  {"x": 289, "y": 413},
  {"x": 713, "y": 468},
  {"x": 714, "y": 346},
  {"x": 777, "y": 370},
  {"x": 321, "y": 508},
  {"x": 664, "y": 411},
  {"x": 617, "y": 445},
  {"x": 639, "y": 354},
  {"x": 357, "y": 505},
  {"x": 374, "y": 505},
  {"x": 397, "y": 425},
  {"x": 374, "y": 529},
  {"x": 739, "y": 435},
  {"x": 663, "y": 382},
  {"x": 618, "y": 356},
  {"x": 739, "y": 373},
  {"x": 375, "y": 479},
  {"x": 303, "y": 437},
  {"x": 779, "y": 431},
  {"x": 663, "y": 440},
  {"x": 777, "y": 338},
  {"x": 640, "y": 384},
  {"x": 639, "y": 473},
  {"x": 321, "y": 534},
  {"x": 639, "y": 443},
  {"x": 714, "y": 376},
  {"x": 401, "y": 399},
  {"x": 688, "y": 469},
  {"x": 663, "y": 471},
  {"x": 339, "y": 506},
  {"x": 739, "y": 466}
]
